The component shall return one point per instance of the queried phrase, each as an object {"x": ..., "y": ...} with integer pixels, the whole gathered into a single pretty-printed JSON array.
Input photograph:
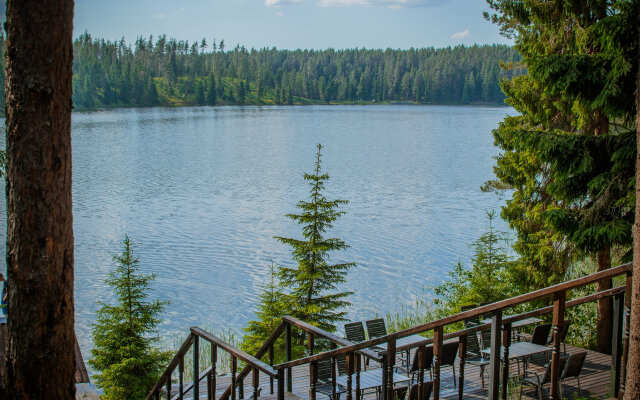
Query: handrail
[
  {"x": 541, "y": 293},
  {"x": 236, "y": 352},
  {"x": 333, "y": 338},
  {"x": 172, "y": 365}
]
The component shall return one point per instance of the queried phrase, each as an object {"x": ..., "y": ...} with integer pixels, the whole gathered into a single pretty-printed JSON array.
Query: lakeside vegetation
[{"x": 165, "y": 71}]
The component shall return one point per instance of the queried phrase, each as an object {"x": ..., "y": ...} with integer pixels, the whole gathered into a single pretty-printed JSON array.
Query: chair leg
[
  {"x": 481, "y": 375},
  {"x": 453, "y": 367},
  {"x": 579, "y": 390}
]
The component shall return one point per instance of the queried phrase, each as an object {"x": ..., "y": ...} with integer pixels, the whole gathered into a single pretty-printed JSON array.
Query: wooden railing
[
  {"x": 500, "y": 336},
  {"x": 354, "y": 352}
]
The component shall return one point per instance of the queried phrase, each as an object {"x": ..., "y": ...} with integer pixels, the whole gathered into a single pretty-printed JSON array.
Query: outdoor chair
[
  {"x": 354, "y": 332},
  {"x": 449, "y": 353},
  {"x": 474, "y": 356},
  {"x": 413, "y": 393},
  {"x": 377, "y": 328},
  {"x": 533, "y": 378},
  {"x": 325, "y": 376},
  {"x": 564, "y": 330},
  {"x": 572, "y": 369},
  {"x": 473, "y": 320},
  {"x": 539, "y": 336}
]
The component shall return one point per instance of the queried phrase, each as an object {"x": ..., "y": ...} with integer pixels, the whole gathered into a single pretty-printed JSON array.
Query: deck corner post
[
  {"x": 616, "y": 345},
  {"x": 385, "y": 365},
  {"x": 462, "y": 354},
  {"x": 196, "y": 366},
  {"x": 496, "y": 346},
  {"x": 289, "y": 357},
  {"x": 559, "y": 299},
  {"x": 437, "y": 359},
  {"x": 506, "y": 342},
  {"x": 625, "y": 332},
  {"x": 281, "y": 384}
]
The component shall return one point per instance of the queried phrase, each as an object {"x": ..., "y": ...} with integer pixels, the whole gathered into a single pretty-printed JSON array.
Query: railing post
[
  {"x": 421, "y": 354},
  {"x": 350, "y": 367},
  {"x": 506, "y": 342},
  {"x": 558, "y": 321},
  {"x": 234, "y": 368},
  {"x": 271, "y": 364},
  {"x": 494, "y": 362},
  {"x": 437, "y": 359},
  {"x": 288, "y": 355},
  {"x": 391, "y": 362},
  {"x": 462, "y": 354},
  {"x": 625, "y": 332},
  {"x": 256, "y": 383},
  {"x": 616, "y": 345},
  {"x": 280, "y": 384},
  {"x": 310, "y": 343},
  {"x": 213, "y": 374},
  {"x": 385, "y": 365},
  {"x": 333, "y": 373},
  {"x": 241, "y": 386},
  {"x": 358, "y": 366},
  {"x": 181, "y": 378},
  {"x": 169, "y": 386},
  {"x": 196, "y": 366},
  {"x": 313, "y": 379}
]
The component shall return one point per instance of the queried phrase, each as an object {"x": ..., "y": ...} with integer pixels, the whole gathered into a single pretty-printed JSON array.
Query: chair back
[
  {"x": 429, "y": 361},
  {"x": 565, "y": 330},
  {"x": 341, "y": 360},
  {"x": 486, "y": 315},
  {"x": 485, "y": 336},
  {"x": 473, "y": 345},
  {"x": 574, "y": 365},
  {"x": 473, "y": 320},
  {"x": 324, "y": 370},
  {"x": 540, "y": 334},
  {"x": 449, "y": 352},
  {"x": 376, "y": 328},
  {"x": 354, "y": 331},
  {"x": 413, "y": 393},
  {"x": 547, "y": 371}
]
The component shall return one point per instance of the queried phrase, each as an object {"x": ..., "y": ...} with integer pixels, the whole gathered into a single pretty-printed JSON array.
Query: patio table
[{"x": 370, "y": 379}]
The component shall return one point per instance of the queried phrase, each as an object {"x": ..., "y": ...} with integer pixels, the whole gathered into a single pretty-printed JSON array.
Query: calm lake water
[{"x": 202, "y": 191}]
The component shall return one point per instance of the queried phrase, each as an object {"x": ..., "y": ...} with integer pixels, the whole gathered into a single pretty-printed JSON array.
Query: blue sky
[{"x": 292, "y": 24}]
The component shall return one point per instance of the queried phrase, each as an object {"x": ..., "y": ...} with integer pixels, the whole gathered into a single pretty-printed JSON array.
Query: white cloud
[
  {"x": 383, "y": 3},
  {"x": 280, "y": 3},
  {"x": 279, "y": 14},
  {"x": 460, "y": 35}
]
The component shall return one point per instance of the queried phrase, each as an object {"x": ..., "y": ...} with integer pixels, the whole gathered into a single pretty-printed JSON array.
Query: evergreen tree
[
  {"x": 313, "y": 282},
  {"x": 271, "y": 309},
  {"x": 241, "y": 92},
  {"x": 211, "y": 94},
  {"x": 124, "y": 353},
  {"x": 200, "y": 94}
]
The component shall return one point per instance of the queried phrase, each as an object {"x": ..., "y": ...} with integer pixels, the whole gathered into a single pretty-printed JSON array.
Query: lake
[{"x": 202, "y": 191}]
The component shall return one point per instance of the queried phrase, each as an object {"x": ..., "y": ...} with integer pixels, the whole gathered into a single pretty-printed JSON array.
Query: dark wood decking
[{"x": 594, "y": 382}]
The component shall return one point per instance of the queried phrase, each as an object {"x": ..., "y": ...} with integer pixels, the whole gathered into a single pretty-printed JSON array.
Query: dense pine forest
[{"x": 163, "y": 71}]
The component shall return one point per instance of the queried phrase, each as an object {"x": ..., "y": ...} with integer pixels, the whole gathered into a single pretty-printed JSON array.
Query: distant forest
[{"x": 165, "y": 71}]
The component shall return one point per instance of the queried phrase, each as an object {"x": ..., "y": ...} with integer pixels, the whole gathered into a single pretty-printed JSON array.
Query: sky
[{"x": 292, "y": 24}]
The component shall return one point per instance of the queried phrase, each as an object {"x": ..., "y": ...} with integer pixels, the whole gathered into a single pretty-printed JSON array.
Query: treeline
[{"x": 163, "y": 71}]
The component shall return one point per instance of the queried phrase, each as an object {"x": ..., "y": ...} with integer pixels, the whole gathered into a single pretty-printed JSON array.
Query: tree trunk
[
  {"x": 604, "y": 308},
  {"x": 632, "y": 382},
  {"x": 41, "y": 361}
]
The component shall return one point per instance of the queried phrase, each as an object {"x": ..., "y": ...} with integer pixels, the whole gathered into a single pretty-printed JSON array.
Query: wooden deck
[{"x": 594, "y": 382}]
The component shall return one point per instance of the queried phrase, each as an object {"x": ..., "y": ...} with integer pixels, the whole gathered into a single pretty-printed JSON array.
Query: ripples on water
[{"x": 202, "y": 191}]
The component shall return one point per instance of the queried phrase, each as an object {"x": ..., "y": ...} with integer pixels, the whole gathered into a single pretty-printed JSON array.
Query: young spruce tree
[
  {"x": 313, "y": 297},
  {"x": 124, "y": 354},
  {"x": 271, "y": 309}
]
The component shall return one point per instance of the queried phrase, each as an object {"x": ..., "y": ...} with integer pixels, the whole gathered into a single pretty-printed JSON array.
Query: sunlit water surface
[{"x": 202, "y": 191}]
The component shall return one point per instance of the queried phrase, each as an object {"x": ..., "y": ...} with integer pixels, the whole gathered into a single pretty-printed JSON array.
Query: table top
[
  {"x": 521, "y": 349},
  {"x": 517, "y": 324},
  {"x": 370, "y": 379}
]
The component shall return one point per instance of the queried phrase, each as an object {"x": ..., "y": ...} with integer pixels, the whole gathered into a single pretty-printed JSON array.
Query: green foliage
[
  {"x": 271, "y": 309},
  {"x": 124, "y": 353},
  {"x": 114, "y": 74},
  {"x": 487, "y": 281},
  {"x": 312, "y": 284}
]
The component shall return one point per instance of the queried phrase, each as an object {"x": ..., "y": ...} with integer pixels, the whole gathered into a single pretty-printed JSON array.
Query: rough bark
[
  {"x": 604, "y": 321},
  {"x": 41, "y": 361},
  {"x": 632, "y": 382}
]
